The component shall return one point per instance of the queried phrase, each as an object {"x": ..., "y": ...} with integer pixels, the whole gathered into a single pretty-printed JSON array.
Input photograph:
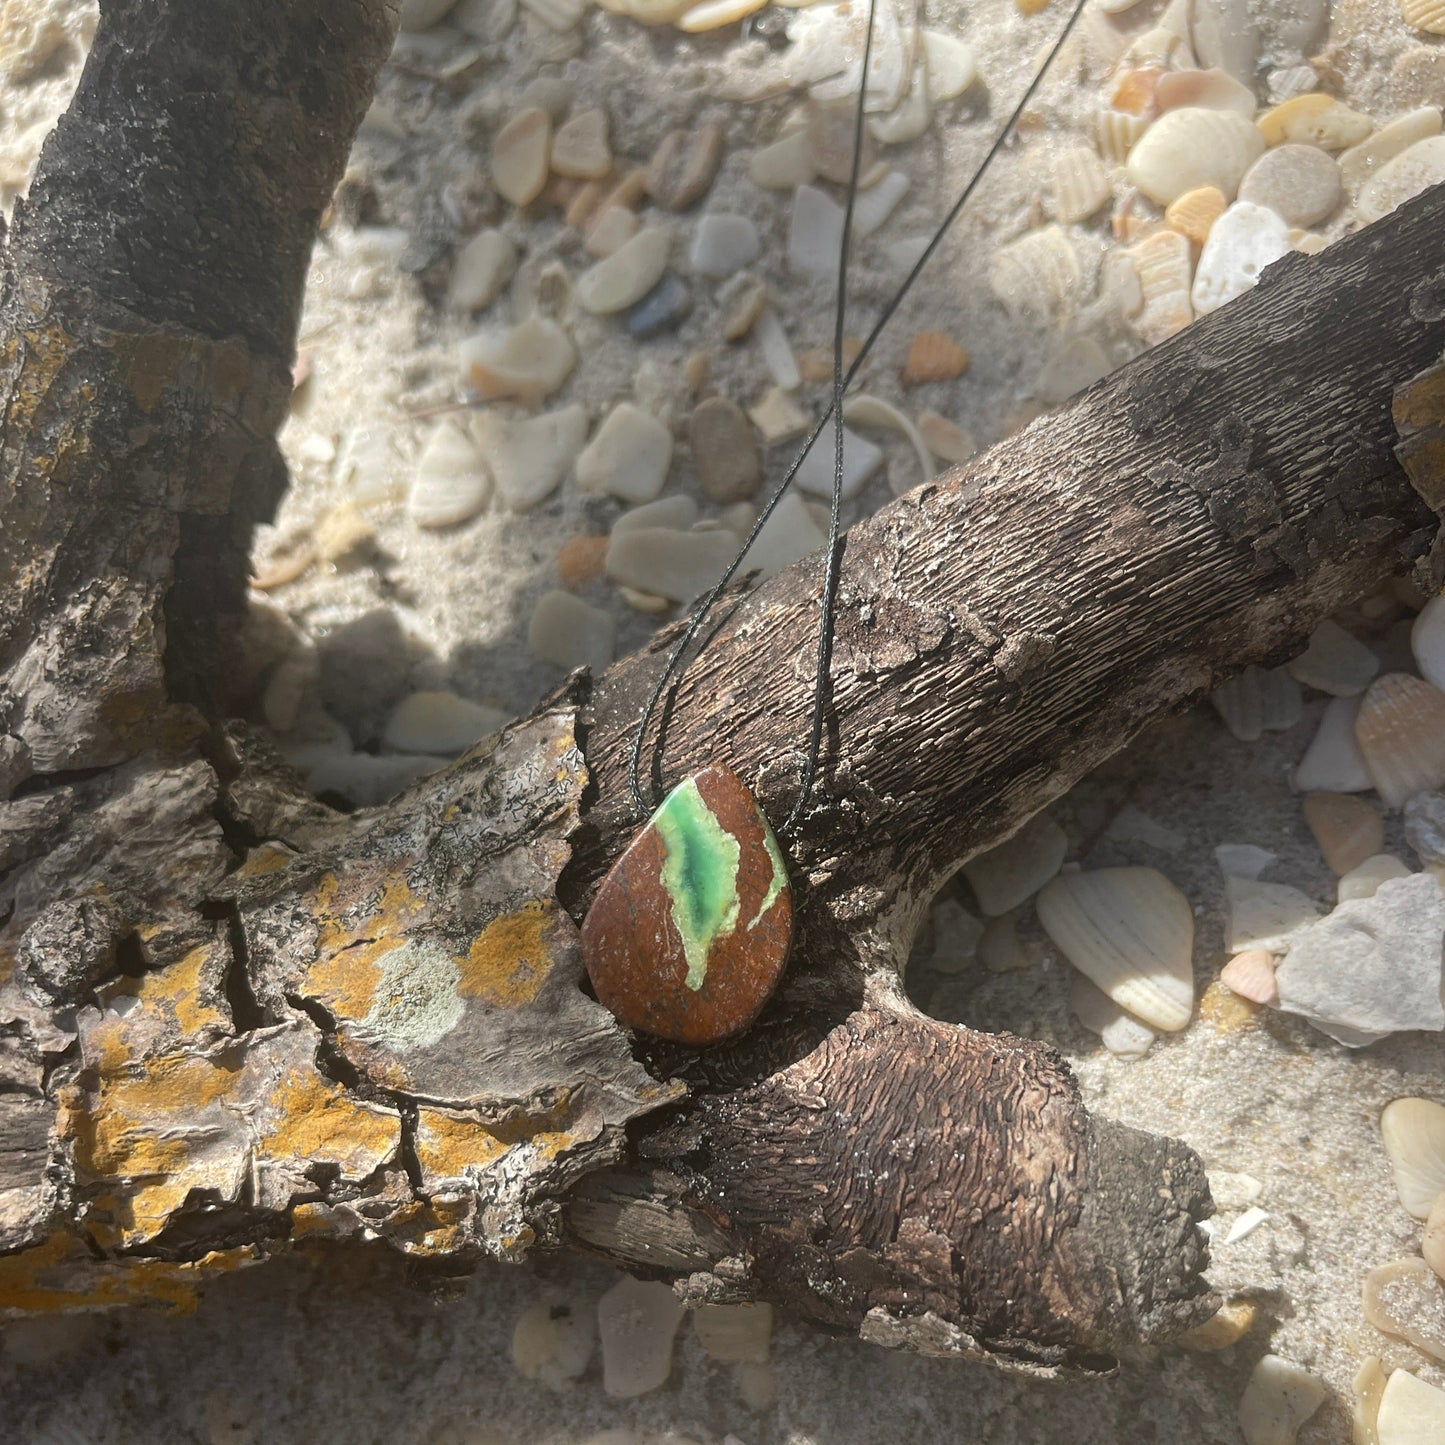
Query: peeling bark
[{"x": 232, "y": 1020}]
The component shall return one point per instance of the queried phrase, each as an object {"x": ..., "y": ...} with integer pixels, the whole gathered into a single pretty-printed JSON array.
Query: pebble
[
  {"x": 1123, "y": 1036},
  {"x": 874, "y": 206},
  {"x": 1363, "y": 880},
  {"x": 1348, "y": 829},
  {"x": 1264, "y": 915},
  {"x": 815, "y": 233},
  {"x": 946, "y": 439},
  {"x": 1000, "y": 949},
  {"x": 451, "y": 483},
  {"x": 612, "y": 230},
  {"x": 742, "y": 299},
  {"x": 1333, "y": 763},
  {"x": 1414, "y": 170},
  {"x": 627, "y": 275},
  {"x": 520, "y": 156},
  {"x": 1211, "y": 89},
  {"x": 1192, "y": 147},
  {"x": 725, "y": 451},
  {"x": 828, "y": 135},
  {"x": 570, "y": 632},
  {"x": 1256, "y": 701},
  {"x": 668, "y": 563},
  {"x": 861, "y": 459},
  {"x": 439, "y": 722},
  {"x": 1335, "y": 662},
  {"x": 777, "y": 350},
  {"x": 932, "y": 356},
  {"x": 777, "y": 416},
  {"x": 950, "y": 65},
  {"x": 526, "y": 362},
  {"x": 1317, "y": 120},
  {"x": 678, "y": 511},
  {"x": 547, "y": 92},
  {"x": 790, "y": 533},
  {"x": 628, "y": 457},
  {"x": 553, "y": 1341},
  {"x": 530, "y": 457},
  {"x": 1401, "y": 732},
  {"x": 665, "y": 306},
  {"x": 1243, "y": 241},
  {"x": 1017, "y": 868},
  {"x": 684, "y": 165},
  {"x": 1241, "y": 860},
  {"x": 783, "y": 165},
  {"x": 1411, "y": 1412},
  {"x": 723, "y": 244},
  {"x": 1279, "y": 1398},
  {"x": 580, "y": 149},
  {"x": 1360, "y": 162},
  {"x": 482, "y": 267},
  {"x": 1298, "y": 182},
  {"x": 733, "y": 1333},
  {"x": 581, "y": 561},
  {"x": 1078, "y": 186},
  {"x": 637, "y": 1322}
]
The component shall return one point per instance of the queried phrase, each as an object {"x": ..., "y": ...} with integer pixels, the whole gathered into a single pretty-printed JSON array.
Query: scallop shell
[
  {"x": 1251, "y": 975},
  {"x": 1413, "y": 1133},
  {"x": 1014, "y": 871},
  {"x": 1131, "y": 931},
  {"x": 1334, "y": 662},
  {"x": 1348, "y": 829},
  {"x": 1078, "y": 186},
  {"x": 1038, "y": 276},
  {"x": 1193, "y": 147},
  {"x": 1406, "y": 1299},
  {"x": 1116, "y": 133},
  {"x": 1258, "y": 701},
  {"x": 1401, "y": 733},
  {"x": 1410, "y": 1411},
  {"x": 1194, "y": 213},
  {"x": 1165, "y": 269},
  {"x": 1426, "y": 15}
]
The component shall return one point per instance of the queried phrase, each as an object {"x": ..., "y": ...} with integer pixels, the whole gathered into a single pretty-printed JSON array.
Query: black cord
[{"x": 720, "y": 586}]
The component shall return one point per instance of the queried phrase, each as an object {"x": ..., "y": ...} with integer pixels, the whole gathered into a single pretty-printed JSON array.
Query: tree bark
[{"x": 232, "y": 1020}]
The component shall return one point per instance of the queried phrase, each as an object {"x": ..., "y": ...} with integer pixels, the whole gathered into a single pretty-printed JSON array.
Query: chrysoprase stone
[{"x": 690, "y": 931}]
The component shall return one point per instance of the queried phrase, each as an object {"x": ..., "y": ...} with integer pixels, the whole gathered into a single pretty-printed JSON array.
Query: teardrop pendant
[{"x": 690, "y": 931}]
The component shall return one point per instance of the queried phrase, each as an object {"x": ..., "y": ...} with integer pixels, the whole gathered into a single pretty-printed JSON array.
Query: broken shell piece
[
  {"x": 1427, "y": 641},
  {"x": 1334, "y": 662},
  {"x": 1426, "y": 15},
  {"x": 946, "y": 439},
  {"x": 949, "y": 63},
  {"x": 777, "y": 416},
  {"x": 1407, "y": 1300},
  {"x": 1193, "y": 147},
  {"x": 1212, "y": 89},
  {"x": 1123, "y": 1036},
  {"x": 482, "y": 267},
  {"x": 1116, "y": 133},
  {"x": 1401, "y": 732},
  {"x": 1317, "y": 120},
  {"x": 1299, "y": 182},
  {"x": 520, "y": 156},
  {"x": 1132, "y": 932},
  {"x": 1279, "y": 1398},
  {"x": 815, "y": 233},
  {"x": 1194, "y": 213},
  {"x": 613, "y": 228},
  {"x": 1165, "y": 269},
  {"x": 1233, "y": 1321},
  {"x": 1333, "y": 762},
  {"x": 629, "y": 456},
  {"x": 530, "y": 457},
  {"x": 628, "y": 274},
  {"x": 777, "y": 350},
  {"x": 1360, "y": 162},
  {"x": 1364, "y": 880},
  {"x": 637, "y": 1322},
  {"x": 1251, "y": 975},
  {"x": 742, "y": 298},
  {"x": 1413, "y": 1133},
  {"x": 1411, "y": 1412},
  {"x": 874, "y": 206},
  {"x": 1000, "y": 949},
  {"x": 452, "y": 482},
  {"x": 1265, "y": 915},
  {"x": 861, "y": 459},
  {"x": 684, "y": 165},
  {"x": 1036, "y": 277},
  {"x": 528, "y": 362},
  {"x": 570, "y": 632},
  {"x": 1257, "y": 701},
  {"x": 867, "y": 410},
  {"x": 784, "y": 165},
  {"x": 1348, "y": 829},
  {"x": 1134, "y": 91},
  {"x": 1078, "y": 186},
  {"x": 440, "y": 723},
  {"x": 1017, "y": 868},
  {"x": 580, "y": 149},
  {"x": 666, "y": 563},
  {"x": 553, "y": 1341},
  {"x": 1432, "y": 1243},
  {"x": 1242, "y": 242},
  {"x": 734, "y": 1333}
]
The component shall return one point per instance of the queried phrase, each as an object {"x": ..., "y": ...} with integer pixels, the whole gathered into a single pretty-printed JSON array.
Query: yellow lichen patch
[
  {"x": 433, "y": 1229},
  {"x": 449, "y": 1144},
  {"x": 353, "y": 937},
  {"x": 306, "y": 1118},
  {"x": 508, "y": 961},
  {"x": 268, "y": 858},
  {"x": 319, "y": 1221},
  {"x": 179, "y": 990}
]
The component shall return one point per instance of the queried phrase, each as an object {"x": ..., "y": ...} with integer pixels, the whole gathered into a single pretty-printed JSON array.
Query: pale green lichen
[{"x": 416, "y": 1001}]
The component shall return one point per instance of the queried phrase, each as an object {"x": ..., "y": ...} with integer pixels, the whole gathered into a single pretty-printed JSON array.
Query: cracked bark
[{"x": 235, "y": 1021}]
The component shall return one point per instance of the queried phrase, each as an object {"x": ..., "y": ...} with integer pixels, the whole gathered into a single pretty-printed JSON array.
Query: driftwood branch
[{"x": 232, "y": 1020}]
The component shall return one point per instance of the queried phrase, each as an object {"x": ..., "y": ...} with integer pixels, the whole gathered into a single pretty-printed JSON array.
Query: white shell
[
  {"x": 628, "y": 274},
  {"x": 815, "y": 234},
  {"x": 1334, "y": 662},
  {"x": 482, "y": 267},
  {"x": 1165, "y": 267},
  {"x": 1038, "y": 276},
  {"x": 1116, "y": 133},
  {"x": 1426, "y": 15},
  {"x": 1298, "y": 182},
  {"x": 777, "y": 350},
  {"x": 558, "y": 15},
  {"x": 1132, "y": 932},
  {"x": 950, "y": 65},
  {"x": 1411, "y": 1412},
  {"x": 553, "y": 1341},
  {"x": 909, "y": 118},
  {"x": 520, "y": 156},
  {"x": 628, "y": 457},
  {"x": 580, "y": 149},
  {"x": 1265, "y": 915},
  {"x": 712, "y": 14},
  {"x": 1413, "y": 1133},
  {"x": 1257, "y": 701},
  {"x": 451, "y": 483},
  {"x": 1415, "y": 169},
  {"x": 610, "y": 231},
  {"x": 1212, "y": 89},
  {"x": 945, "y": 438},
  {"x": 733, "y": 1333},
  {"x": 1405, "y": 1299},
  {"x": 1078, "y": 186},
  {"x": 865, "y": 409},
  {"x": 1427, "y": 641},
  {"x": 861, "y": 459},
  {"x": 1017, "y": 868},
  {"x": 784, "y": 164},
  {"x": 529, "y": 361},
  {"x": 1364, "y": 879},
  {"x": 1123, "y": 1036},
  {"x": 874, "y": 206},
  {"x": 1317, "y": 120},
  {"x": 1241, "y": 243},
  {"x": 1192, "y": 147},
  {"x": 529, "y": 457},
  {"x": 1401, "y": 732},
  {"x": 1279, "y": 1398},
  {"x": 827, "y": 52},
  {"x": 439, "y": 722},
  {"x": 637, "y": 1322},
  {"x": 1333, "y": 762},
  {"x": 570, "y": 632},
  {"x": 1360, "y": 162},
  {"x": 677, "y": 512},
  {"x": 1224, "y": 33}
]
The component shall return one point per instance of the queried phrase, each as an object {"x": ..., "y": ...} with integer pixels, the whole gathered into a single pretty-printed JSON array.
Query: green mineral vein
[
  {"x": 700, "y": 874},
  {"x": 780, "y": 874}
]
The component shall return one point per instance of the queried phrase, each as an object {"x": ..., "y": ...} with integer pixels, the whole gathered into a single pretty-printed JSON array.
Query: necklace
[{"x": 691, "y": 929}]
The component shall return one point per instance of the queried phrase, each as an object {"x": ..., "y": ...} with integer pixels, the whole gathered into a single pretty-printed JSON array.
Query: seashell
[
  {"x": 611, "y": 231},
  {"x": 861, "y": 459},
  {"x": 1349, "y": 830},
  {"x": 1242, "y": 242},
  {"x": 1279, "y": 1398},
  {"x": 1364, "y": 879},
  {"x": 1287, "y": 81},
  {"x": 439, "y": 723},
  {"x": 637, "y": 1323},
  {"x": 1427, "y": 641},
  {"x": 451, "y": 483},
  {"x": 1413, "y": 1133},
  {"x": 1407, "y": 1300},
  {"x": 1333, "y": 762},
  {"x": 932, "y": 356},
  {"x": 1368, "y": 1385},
  {"x": 629, "y": 456},
  {"x": 1432, "y": 1242},
  {"x": 1131, "y": 931},
  {"x": 1116, "y": 133},
  {"x": 1193, "y": 214},
  {"x": 570, "y": 632},
  {"x": 1124, "y": 1037},
  {"x": 874, "y": 206},
  {"x": 1242, "y": 860},
  {"x": 1162, "y": 47},
  {"x": 1251, "y": 975},
  {"x": 777, "y": 350},
  {"x": 734, "y": 1333},
  {"x": 1415, "y": 169},
  {"x": 1360, "y": 162},
  {"x": 1418, "y": 77},
  {"x": 529, "y": 457},
  {"x": 650, "y": 12},
  {"x": 287, "y": 560},
  {"x": 343, "y": 536},
  {"x": 949, "y": 64},
  {"x": 580, "y": 149},
  {"x": 1193, "y": 147},
  {"x": 1078, "y": 186},
  {"x": 1212, "y": 89},
  {"x": 1246, "y": 1224},
  {"x": 1038, "y": 276},
  {"x": 723, "y": 244},
  {"x": 521, "y": 153},
  {"x": 1426, "y": 15},
  {"x": 1401, "y": 732},
  {"x": 944, "y": 438},
  {"x": 1257, "y": 701},
  {"x": 778, "y": 416},
  {"x": 1165, "y": 267},
  {"x": 1135, "y": 92},
  {"x": 628, "y": 274},
  {"x": 1410, "y": 1411},
  {"x": 553, "y": 1341},
  {"x": 864, "y": 409},
  {"x": 909, "y": 118},
  {"x": 826, "y": 54},
  {"x": 713, "y": 14},
  {"x": 783, "y": 165},
  {"x": 482, "y": 267},
  {"x": 789, "y": 533},
  {"x": 1317, "y": 120},
  {"x": 1300, "y": 183},
  {"x": 1264, "y": 915},
  {"x": 815, "y": 233},
  {"x": 1334, "y": 662},
  {"x": 1016, "y": 869},
  {"x": 527, "y": 362},
  {"x": 669, "y": 563}
]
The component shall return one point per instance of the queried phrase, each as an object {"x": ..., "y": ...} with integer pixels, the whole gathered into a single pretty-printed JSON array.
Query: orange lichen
[
  {"x": 353, "y": 937},
  {"x": 509, "y": 961},
  {"x": 268, "y": 858},
  {"x": 448, "y": 1144},
  {"x": 307, "y": 1117}
]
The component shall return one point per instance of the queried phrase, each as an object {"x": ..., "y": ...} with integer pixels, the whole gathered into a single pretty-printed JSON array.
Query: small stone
[
  {"x": 815, "y": 234},
  {"x": 829, "y": 140},
  {"x": 1334, "y": 662},
  {"x": 698, "y": 371},
  {"x": 1230, "y": 1324},
  {"x": 1241, "y": 860},
  {"x": 784, "y": 165},
  {"x": 1122, "y": 1035},
  {"x": 439, "y": 722},
  {"x": 668, "y": 563},
  {"x": 547, "y": 92},
  {"x": 777, "y": 350},
  {"x": 816, "y": 363},
  {"x": 684, "y": 166},
  {"x": 1412, "y": 1412},
  {"x": 1415, "y": 169},
  {"x": 1333, "y": 762},
  {"x": 1418, "y": 77},
  {"x": 950, "y": 65},
  {"x": 1242, "y": 242},
  {"x": 580, "y": 149},
  {"x": 723, "y": 244},
  {"x": 757, "y": 1385},
  {"x": 482, "y": 267},
  {"x": 861, "y": 459},
  {"x": 284, "y": 562},
  {"x": 1317, "y": 120},
  {"x": 667, "y": 305},
  {"x": 690, "y": 931},
  {"x": 1299, "y": 182},
  {"x": 1348, "y": 829},
  {"x": 452, "y": 483},
  {"x": 678, "y": 512},
  {"x": 568, "y": 631},
  {"x": 612, "y": 230},
  {"x": 527, "y": 362},
  {"x": 343, "y": 537},
  {"x": 734, "y": 1333},
  {"x": 628, "y": 274},
  {"x": 530, "y": 457},
  {"x": 1364, "y": 879},
  {"x": 582, "y": 209},
  {"x": 553, "y": 1341},
  {"x": 1427, "y": 642},
  {"x": 1194, "y": 213},
  {"x": 932, "y": 356},
  {"x": 1016, "y": 869},
  {"x": 778, "y": 416},
  {"x": 874, "y": 206},
  {"x": 725, "y": 451},
  {"x": 1265, "y": 915},
  {"x": 1258, "y": 700},
  {"x": 521, "y": 154},
  {"x": 1279, "y": 1398},
  {"x": 791, "y": 532},
  {"x": 1425, "y": 827},
  {"x": 581, "y": 561},
  {"x": 629, "y": 456},
  {"x": 946, "y": 439},
  {"x": 743, "y": 298},
  {"x": 1362, "y": 161},
  {"x": 637, "y": 1323}
]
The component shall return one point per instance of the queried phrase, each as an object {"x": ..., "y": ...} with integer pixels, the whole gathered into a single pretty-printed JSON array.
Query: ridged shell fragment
[
  {"x": 1036, "y": 277},
  {"x": 1131, "y": 931},
  {"x": 1426, "y": 15},
  {"x": 1427, "y": 641},
  {"x": 1279, "y": 1398},
  {"x": 1251, "y": 975},
  {"x": 1335, "y": 662},
  {"x": 1116, "y": 133},
  {"x": 1360, "y": 162},
  {"x": 1194, "y": 147},
  {"x": 1317, "y": 120},
  {"x": 1411, "y": 1412},
  {"x": 1258, "y": 701},
  {"x": 1242, "y": 242},
  {"x": 1165, "y": 268},
  {"x": 1348, "y": 829},
  {"x": 1415, "y": 169},
  {"x": 1407, "y": 1300},
  {"x": 1078, "y": 186},
  {"x": 1401, "y": 732},
  {"x": 1193, "y": 214},
  {"x": 1017, "y": 868},
  {"x": 1413, "y": 1133},
  {"x": 712, "y": 14},
  {"x": 628, "y": 274}
]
